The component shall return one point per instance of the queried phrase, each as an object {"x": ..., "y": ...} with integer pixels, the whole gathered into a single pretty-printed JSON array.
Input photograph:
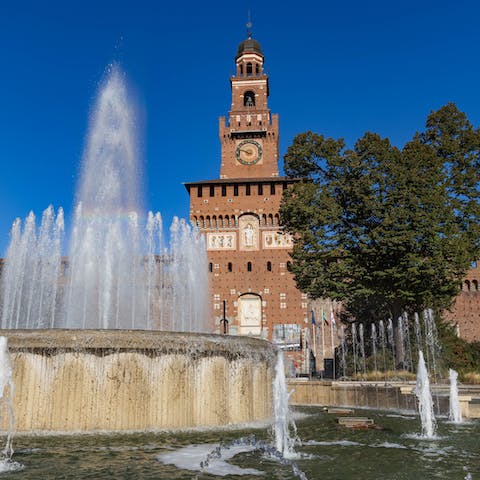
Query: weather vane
[{"x": 249, "y": 25}]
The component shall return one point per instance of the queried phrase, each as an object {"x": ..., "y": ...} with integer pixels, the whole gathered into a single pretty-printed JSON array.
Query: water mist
[{"x": 118, "y": 273}]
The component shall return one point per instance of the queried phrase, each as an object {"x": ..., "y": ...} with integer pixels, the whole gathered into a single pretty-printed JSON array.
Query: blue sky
[{"x": 337, "y": 68}]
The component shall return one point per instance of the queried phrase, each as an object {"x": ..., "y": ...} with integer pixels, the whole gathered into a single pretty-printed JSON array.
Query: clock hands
[{"x": 248, "y": 152}]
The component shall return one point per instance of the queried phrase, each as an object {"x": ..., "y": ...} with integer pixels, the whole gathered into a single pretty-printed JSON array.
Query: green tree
[{"x": 381, "y": 229}]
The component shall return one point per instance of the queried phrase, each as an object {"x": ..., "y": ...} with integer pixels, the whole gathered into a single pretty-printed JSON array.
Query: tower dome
[{"x": 249, "y": 45}]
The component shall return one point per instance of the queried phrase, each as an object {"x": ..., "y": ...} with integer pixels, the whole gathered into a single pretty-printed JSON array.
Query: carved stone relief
[
  {"x": 221, "y": 241},
  {"x": 277, "y": 240},
  {"x": 248, "y": 226}
]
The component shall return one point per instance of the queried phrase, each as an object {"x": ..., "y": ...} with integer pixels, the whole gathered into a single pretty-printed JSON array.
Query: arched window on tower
[
  {"x": 230, "y": 267},
  {"x": 249, "y": 99},
  {"x": 241, "y": 69},
  {"x": 467, "y": 285},
  {"x": 257, "y": 69},
  {"x": 269, "y": 266},
  {"x": 249, "y": 266},
  {"x": 210, "y": 267},
  {"x": 475, "y": 285},
  {"x": 249, "y": 69}
]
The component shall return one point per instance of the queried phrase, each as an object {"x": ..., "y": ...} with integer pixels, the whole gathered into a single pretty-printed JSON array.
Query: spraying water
[
  {"x": 374, "y": 346},
  {"x": 381, "y": 332},
  {"x": 354, "y": 343},
  {"x": 283, "y": 423},
  {"x": 362, "y": 348},
  {"x": 425, "y": 403},
  {"x": 118, "y": 273},
  {"x": 455, "y": 414},
  {"x": 344, "y": 351},
  {"x": 6, "y": 395},
  {"x": 391, "y": 342}
]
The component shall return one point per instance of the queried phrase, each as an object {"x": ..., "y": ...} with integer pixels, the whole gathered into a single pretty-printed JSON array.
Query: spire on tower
[{"x": 249, "y": 25}]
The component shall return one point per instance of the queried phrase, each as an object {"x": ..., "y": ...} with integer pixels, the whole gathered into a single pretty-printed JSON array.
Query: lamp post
[{"x": 224, "y": 320}]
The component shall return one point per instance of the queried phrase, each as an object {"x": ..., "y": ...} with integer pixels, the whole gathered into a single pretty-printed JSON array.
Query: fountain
[
  {"x": 212, "y": 458},
  {"x": 284, "y": 441},
  {"x": 362, "y": 350},
  {"x": 455, "y": 412},
  {"x": 90, "y": 334},
  {"x": 425, "y": 403},
  {"x": 118, "y": 273},
  {"x": 6, "y": 408}
]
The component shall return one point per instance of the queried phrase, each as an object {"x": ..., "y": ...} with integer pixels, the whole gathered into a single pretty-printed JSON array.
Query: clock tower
[
  {"x": 249, "y": 137},
  {"x": 252, "y": 289}
]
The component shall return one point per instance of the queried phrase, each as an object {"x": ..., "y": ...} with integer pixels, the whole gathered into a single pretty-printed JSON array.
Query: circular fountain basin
[{"x": 117, "y": 380}]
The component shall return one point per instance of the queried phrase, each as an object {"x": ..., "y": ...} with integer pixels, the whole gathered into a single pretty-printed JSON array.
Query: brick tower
[{"x": 238, "y": 214}]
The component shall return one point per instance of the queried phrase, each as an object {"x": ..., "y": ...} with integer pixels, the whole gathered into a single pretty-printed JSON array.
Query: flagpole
[
  {"x": 323, "y": 340},
  {"x": 314, "y": 325},
  {"x": 332, "y": 325}
]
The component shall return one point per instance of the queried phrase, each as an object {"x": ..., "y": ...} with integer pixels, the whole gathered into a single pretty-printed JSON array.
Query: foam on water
[
  {"x": 192, "y": 456},
  {"x": 339, "y": 443},
  {"x": 10, "y": 466},
  {"x": 390, "y": 445}
]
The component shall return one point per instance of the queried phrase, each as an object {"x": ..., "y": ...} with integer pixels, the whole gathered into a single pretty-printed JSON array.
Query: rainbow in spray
[{"x": 118, "y": 272}]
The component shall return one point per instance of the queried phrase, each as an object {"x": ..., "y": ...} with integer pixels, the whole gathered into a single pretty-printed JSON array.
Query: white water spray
[
  {"x": 455, "y": 414},
  {"x": 425, "y": 403},
  {"x": 118, "y": 274},
  {"x": 284, "y": 426},
  {"x": 6, "y": 395}
]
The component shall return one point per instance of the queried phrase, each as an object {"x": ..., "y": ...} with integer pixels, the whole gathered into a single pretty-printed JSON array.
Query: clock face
[{"x": 248, "y": 152}]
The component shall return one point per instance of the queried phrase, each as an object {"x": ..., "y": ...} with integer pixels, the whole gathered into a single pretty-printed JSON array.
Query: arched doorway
[{"x": 250, "y": 314}]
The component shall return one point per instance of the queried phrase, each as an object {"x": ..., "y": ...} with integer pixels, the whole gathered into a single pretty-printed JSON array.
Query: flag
[
  {"x": 313, "y": 318},
  {"x": 332, "y": 319},
  {"x": 324, "y": 317}
]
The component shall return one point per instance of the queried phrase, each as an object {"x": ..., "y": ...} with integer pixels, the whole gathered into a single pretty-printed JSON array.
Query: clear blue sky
[{"x": 337, "y": 68}]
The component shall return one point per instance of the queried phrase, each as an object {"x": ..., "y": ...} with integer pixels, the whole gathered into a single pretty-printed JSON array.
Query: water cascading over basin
[
  {"x": 112, "y": 380},
  {"x": 91, "y": 333}
]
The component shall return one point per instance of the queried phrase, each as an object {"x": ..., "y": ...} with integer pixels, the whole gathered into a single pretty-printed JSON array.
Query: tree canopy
[{"x": 383, "y": 229}]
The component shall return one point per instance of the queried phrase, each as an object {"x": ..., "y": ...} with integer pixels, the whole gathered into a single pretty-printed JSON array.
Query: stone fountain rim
[{"x": 155, "y": 341}]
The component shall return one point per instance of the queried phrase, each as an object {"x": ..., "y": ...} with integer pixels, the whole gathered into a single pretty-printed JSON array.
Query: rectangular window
[
  {"x": 224, "y": 190},
  {"x": 272, "y": 189},
  {"x": 260, "y": 189},
  {"x": 235, "y": 190},
  {"x": 212, "y": 190},
  {"x": 247, "y": 189},
  {"x": 199, "y": 191}
]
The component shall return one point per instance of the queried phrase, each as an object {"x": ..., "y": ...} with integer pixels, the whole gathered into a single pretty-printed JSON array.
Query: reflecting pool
[{"x": 393, "y": 450}]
